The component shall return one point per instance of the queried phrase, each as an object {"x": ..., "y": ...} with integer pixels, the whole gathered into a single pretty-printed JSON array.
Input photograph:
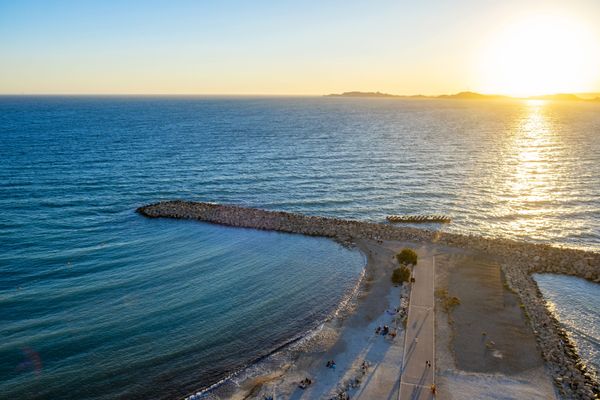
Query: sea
[
  {"x": 576, "y": 303},
  {"x": 98, "y": 302}
]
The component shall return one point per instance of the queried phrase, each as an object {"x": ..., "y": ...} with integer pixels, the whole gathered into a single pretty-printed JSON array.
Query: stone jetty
[
  {"x": 518, "y": 259},
  {"x": 419, "y": 219}
]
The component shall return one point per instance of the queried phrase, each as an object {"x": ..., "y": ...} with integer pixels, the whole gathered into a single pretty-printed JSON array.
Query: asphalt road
[{"x": 417, "y": 378}]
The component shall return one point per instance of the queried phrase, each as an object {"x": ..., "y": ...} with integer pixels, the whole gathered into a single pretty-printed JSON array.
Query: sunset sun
[
  {"x": 539, "y": 55},
  {"x": 278, "y": 200}
]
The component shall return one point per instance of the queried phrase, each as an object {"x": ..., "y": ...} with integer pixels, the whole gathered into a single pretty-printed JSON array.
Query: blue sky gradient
[{"x": 251, "y": 47}]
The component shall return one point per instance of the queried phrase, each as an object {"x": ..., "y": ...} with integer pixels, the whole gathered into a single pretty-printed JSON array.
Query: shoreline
[
  {"x": 348, "y": 338},
  {"x": 284, "y": 352},
  {"x": 518, "y": 260}
]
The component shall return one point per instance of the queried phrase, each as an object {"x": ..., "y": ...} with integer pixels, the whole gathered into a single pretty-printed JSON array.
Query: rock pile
[{"x": 519, "y": 260}]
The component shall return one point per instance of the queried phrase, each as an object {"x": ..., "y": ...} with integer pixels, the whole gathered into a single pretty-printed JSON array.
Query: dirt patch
[{"x": 490, "y": 330}]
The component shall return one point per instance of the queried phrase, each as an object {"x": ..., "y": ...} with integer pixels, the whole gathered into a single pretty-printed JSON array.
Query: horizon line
[{"x": 383, "y": 94}]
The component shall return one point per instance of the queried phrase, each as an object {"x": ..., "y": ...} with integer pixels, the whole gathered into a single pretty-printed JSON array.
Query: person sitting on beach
[
  {"x": 378, "y": 330},
  {"x": 386, "y": 330},
  {"x": 364, "y": 366},
  {"x": 305, "y": 383}
]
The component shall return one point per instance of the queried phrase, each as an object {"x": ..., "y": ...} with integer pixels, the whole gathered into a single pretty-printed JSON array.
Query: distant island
[{"x": 471, "y": 96}]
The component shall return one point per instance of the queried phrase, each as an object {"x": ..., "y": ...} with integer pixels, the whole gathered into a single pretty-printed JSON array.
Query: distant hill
[
  {"x": 362, "y": 94},
  {"x": 471, "y": 96},
  {"x": 568, "y": 97},
  {"x": 558, "y": 96},
  {"x": 461, "y": 95},
  {"x": 589, "y": 96}
]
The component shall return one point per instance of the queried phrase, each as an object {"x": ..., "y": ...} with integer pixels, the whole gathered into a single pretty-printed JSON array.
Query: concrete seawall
[{"x": 518, "y": 259}]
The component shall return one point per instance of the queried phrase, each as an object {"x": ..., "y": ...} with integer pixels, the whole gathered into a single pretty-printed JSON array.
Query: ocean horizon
[{"x": 98, "y": 302}]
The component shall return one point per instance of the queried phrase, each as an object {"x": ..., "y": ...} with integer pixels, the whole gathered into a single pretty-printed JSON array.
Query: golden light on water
[
  {"x": 532, "y": 171},
  {"x": 542, "y": 54}
]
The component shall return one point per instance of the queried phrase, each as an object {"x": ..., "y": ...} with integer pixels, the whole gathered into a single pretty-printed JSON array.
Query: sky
[{"x": 298, "y": 47}]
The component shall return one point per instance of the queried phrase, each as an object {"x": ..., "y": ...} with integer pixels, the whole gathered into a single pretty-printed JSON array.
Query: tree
[
  {"x": 406, "y": 257},
  {"x": 401, "y": 274}
]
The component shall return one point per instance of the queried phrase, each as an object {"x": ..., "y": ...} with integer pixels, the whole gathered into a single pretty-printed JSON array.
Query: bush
[
  {"x": 407, "y": 256},
  {"x": 448, "y": 302},
  {"x": 451, "y": 302},
  {"x": 401, "y": 274}
]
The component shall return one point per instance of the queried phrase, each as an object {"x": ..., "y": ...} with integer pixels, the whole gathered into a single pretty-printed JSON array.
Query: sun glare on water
[{"x": 540, "y": 55}]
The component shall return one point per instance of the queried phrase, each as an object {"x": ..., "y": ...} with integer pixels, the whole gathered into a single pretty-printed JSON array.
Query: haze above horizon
[{"x": 516, "y": 48}]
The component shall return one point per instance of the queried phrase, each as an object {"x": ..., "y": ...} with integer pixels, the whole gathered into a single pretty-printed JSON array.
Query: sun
[{"x": 542, "y": 54}]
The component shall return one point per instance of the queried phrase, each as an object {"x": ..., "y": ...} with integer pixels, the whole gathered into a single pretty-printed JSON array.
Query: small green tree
[
  {"x": 407, "y": 256},
  {"x": 401, "y": 274}
]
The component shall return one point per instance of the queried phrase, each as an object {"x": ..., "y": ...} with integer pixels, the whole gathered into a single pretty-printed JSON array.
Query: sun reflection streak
[{"x": 533, "y": 169}]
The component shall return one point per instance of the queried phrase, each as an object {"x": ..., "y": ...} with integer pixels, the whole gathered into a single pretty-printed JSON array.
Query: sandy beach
[
  {"x": 367, "y": 365},
  {"x": 514, "y": 372}
]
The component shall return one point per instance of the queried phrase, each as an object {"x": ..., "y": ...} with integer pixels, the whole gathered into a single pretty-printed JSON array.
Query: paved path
[{"x": 419, "y": 346}]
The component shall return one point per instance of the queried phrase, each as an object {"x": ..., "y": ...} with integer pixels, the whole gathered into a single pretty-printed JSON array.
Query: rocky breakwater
[
  {"x": 570, "y": 373},
  {"x": 518, "y": 259}
]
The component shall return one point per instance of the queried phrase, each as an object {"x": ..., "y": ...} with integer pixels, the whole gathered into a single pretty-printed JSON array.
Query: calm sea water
[
  {"x": 576, "y": 302},
  {"x": 96, "y": 301}
]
